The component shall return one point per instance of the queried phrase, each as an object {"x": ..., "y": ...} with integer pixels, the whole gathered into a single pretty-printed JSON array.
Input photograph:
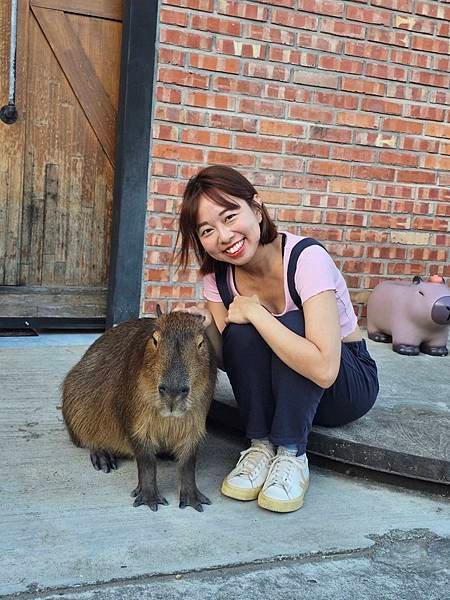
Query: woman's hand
[
  {"x": 242, "y": 308},
  {"x": 196, "y": 310}
]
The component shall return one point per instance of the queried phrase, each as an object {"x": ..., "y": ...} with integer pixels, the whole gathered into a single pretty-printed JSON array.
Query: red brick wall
[{"x": 338, "y": 112}]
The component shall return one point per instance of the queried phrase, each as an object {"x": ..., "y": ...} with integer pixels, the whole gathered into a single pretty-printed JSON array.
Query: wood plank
[
  {"x": 82, "y": 302},
  {"x": 51, "y": 218},
  {"x": 105, "y": 9},
  {"x": 89, "y": 91}
]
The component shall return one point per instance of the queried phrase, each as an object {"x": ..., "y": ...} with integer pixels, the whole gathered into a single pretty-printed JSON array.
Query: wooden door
[{"x": 57, "y": 160}]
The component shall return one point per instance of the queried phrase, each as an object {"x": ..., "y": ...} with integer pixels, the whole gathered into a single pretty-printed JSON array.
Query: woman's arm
[{"x": 317, "y": 355}]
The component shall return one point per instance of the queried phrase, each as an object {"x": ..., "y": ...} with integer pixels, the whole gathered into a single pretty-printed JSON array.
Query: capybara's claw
[
  {"x": 195, "y": 499},
  {"x": 150, "y": 499},
  {"x": 102, "y": 460}
]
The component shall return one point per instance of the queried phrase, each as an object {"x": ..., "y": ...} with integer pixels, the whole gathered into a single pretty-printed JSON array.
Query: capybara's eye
[
  {"x": 200, "y": 341},
  {"x": 155, "y": 338}
]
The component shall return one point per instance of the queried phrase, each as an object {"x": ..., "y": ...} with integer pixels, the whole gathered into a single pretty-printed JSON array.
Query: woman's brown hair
[{"x": 217, "y": 183}]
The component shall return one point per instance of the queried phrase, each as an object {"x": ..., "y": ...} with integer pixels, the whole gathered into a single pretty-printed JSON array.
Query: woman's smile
[{"x": 236, "y": 249}]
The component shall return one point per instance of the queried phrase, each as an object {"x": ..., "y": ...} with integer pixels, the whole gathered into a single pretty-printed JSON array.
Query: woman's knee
[{"x": 244, "y": 336}]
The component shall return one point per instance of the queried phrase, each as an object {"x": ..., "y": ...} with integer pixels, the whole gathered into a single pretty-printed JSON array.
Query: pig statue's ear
[
  {"x": 158, "y": 311},
  {"x": 417, "y": 280}
]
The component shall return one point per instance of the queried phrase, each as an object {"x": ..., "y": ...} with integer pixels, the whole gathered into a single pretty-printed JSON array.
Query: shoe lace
[
  {"x": 281, "y": 471},
  {"x": 250, "y": 460}
]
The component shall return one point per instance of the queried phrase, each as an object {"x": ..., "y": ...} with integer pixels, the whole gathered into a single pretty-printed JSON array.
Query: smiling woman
[{"x": 279, "y": 313}]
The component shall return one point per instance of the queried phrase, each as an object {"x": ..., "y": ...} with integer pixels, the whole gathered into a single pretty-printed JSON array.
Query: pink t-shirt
[{"x": 315, "y": 273}]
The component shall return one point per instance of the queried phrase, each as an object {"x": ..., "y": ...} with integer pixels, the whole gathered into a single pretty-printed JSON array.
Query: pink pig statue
[{"x": 414, "y": 316}]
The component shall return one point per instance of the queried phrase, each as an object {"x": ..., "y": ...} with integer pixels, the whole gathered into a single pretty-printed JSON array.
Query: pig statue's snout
[{"x": 440, "y": 313}]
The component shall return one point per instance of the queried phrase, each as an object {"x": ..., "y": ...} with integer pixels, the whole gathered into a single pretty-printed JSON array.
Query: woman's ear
[{"x": 258, "y": 201}]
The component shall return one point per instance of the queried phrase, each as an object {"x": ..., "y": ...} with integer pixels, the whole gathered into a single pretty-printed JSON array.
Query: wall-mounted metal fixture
[{"x": 8, "y": 113}]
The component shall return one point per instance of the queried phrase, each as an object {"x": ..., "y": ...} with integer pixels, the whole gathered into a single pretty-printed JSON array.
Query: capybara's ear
[
  {"x": 201, "y": 318},
  {"x": 158, "y": 311},
  {"x": 417, "y": 280}
]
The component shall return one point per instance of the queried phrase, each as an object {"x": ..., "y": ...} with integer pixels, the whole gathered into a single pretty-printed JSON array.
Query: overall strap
[
  {"x": 221, "y": 271},
  {"x": 292, "y": 267}
]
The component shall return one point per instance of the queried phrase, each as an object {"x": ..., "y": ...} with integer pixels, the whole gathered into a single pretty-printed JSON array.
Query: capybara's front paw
[
  {"x": 193, "y": 498},
  {"x": 149, "y": 497},
  {"x": 102, "y": 460}
]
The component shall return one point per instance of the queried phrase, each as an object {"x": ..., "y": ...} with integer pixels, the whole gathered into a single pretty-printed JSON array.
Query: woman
[{"x": 279, "y": 313}]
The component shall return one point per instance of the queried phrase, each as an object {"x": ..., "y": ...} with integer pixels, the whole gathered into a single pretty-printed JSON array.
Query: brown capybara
[{"x": 142, "y": 388}]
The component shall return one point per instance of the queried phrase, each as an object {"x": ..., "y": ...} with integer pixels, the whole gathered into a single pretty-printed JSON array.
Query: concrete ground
[{"x": 69, "y": 531}]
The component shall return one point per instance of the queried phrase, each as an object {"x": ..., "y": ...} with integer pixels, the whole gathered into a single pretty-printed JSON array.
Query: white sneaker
[
  {"x": 286, "y": 483},
  {"x": 246, "y": 480}
]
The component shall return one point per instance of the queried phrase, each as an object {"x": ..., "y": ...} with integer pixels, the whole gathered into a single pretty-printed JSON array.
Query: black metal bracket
[{"x": 8, "y": 114}]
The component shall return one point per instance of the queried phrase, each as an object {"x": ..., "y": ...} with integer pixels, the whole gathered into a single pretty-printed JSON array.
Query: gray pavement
[{"x": 69, "y": 531}]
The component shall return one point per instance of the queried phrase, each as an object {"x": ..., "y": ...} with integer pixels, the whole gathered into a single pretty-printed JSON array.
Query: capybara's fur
[{"x": 143, "y": 387}]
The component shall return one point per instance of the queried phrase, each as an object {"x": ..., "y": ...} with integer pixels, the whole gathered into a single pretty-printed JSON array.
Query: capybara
[
  {"x": 414, "y": 316},
  {"x": 142, "y": 388}
]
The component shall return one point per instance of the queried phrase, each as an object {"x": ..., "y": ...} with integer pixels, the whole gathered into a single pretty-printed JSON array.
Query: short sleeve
[
  {"x": 210, "y": 291},
  {"x": 316, "y": 273}
]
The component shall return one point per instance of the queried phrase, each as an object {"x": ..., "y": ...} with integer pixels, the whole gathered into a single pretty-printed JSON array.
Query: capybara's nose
[
  {"x": 174, "y": 390},
  {"x": 440, "y": 313}
]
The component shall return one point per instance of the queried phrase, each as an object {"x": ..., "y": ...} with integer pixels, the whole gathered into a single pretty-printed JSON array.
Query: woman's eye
[
  {"x": 205, "y": 232},
  {"x": 230, "y": 217}
]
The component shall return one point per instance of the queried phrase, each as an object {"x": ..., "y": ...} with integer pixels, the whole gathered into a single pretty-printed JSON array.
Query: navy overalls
[{"x": 275, "y": 401}]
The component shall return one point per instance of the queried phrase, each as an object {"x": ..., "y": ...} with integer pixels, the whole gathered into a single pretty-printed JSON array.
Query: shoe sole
[
  {"x": 282, "y": 506},
  {"x": 238, "y": 493}
]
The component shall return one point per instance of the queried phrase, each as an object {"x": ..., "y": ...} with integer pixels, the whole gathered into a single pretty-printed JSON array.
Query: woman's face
[{"x": 228, "y": 235}]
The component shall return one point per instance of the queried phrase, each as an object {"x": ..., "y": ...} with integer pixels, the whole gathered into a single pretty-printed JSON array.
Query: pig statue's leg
[
  {"x": 405, "y": 342},
  {"x": 378, "y": 336},
  {"x": 189, "y": 493},
  {"x": 437, "y": 345}
]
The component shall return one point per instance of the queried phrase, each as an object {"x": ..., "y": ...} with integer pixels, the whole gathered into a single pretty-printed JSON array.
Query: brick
[
  {"x": 162, "y": 222},
  {"x": 258, "y": 107},
  {"x": 323, "y": 7},
  {"x": 328, "y": 134},
  {"x": 412, "y": 59},
  {"x": 344, "y": 218},
  {"x": 215, "y": 63},
  {"x": 348, "y": 186},
  {"x": 375, "y": 139},
  {"x": 156, "y": 275},
  {"x": 266, "y": 71},
  {"x": 342, "y": 29},
  {"x": 408, "y": 268},
  {"x": 281, "y": 163},
  {"x": 353, "y": 154},
  {"x": 398, "y": 158},
  {"x": 398, "y": 5},
  {"x": 304, "y": 113},
  {"x": 173, "y": 17},
  {"x": 406, "y": 92},
  {"x": 266, "y": 33},
  {"x": 257, "y": 143},
  {"x": 427, "y": 113},
  {"x": 343, "y": 101},
  {"x": 163, "y": 169},
  {"x": 183, "y": 77},
  {"x": 441, "y": 163},
  {"x": 160, "y": 205},
  {"x": 289, "y": 18},
  {"x": 305, "y": 182},
  {"x": 392, "y": 191},
  {"x": 428, "y": 44},
  {"x": 403, "y": 206},
  {"x": 410, "y": 237},
  {"x": 216, "y": 25},
  {"x": 437, "y": 193},
  {"x": 307, "y": 149},
  {"x": 357, "y": 120},
  {"x": 292, "y": 57},
  {"x": 368, "y": 15},
  {"x": 366, "y": 50},
  {"x": 165, "y": 132},
  {"x": 232, "y": 123},
  {"x": 239, "y": 48},
  {"x": 381, "y": 106},
  {"x": 333, "y": 63},
  {"x": 164, "y": 94},
  {"x": 370, "y": 204},
  {"x": 416, "y": 177},
  {"x": 319, "y": 42},
  {"x": 443, "y": 29},
  {"x": 386, "y": 72},
  {"x": 427, "y": 254},
  {"x": 441, "y": 64},
  {"x": 178, "y": 37},
  {"x": 300, "y": 215},
  {"x": 392, "y": 38},
  {"x": 444, "y": 148},
  {"x": 177, "y": 152},
  {"x": 366, "y": 235},
  {"x": 233, "y": 159},
  {"x": 213, "y": 101},
  {"x": 356, "y": 266},
  {"x": 322, "y": 233},
  {"x": 164, "y": 240},
  {"x": 180, "y": 115},
  {"x": 435, "y": 130},
  {"x": 237, "y": 86},
  {"x": 237, "y": 8},
  {"x": 324, "y": 167},
  {"x": 286, "y": 92},
  {"x": 284, "y": 197},
  {"x": 205, "y": 5},
  {"x": 387, "y": 253},
  {"x": 363, "y": 86},
  {"x": 324, "y": 201},
  {"x": 392, "y": 124},
  {"x": 443, "y": 210},
  {"x": 430, "y": 224},
  {"x": 433, "y": 79},
  {"x": 377, "y": 173},
  {"x": 390, "y": 221},
  {"x": 413, "y": 23},
  {"x": 327, "y": 80},
  {"x": 266, "y": 179},
  {"x": 171, "y": 56},
  {"x": 442, "y": 240},
  {"x": 281, "y": 128},
  {"x": 206, "y": 138}
]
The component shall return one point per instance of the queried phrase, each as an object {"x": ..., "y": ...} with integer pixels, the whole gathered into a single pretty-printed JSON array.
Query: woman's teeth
[{"x": 235, "y": 248}]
